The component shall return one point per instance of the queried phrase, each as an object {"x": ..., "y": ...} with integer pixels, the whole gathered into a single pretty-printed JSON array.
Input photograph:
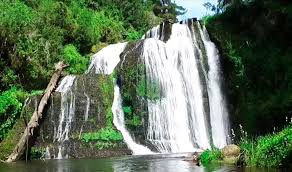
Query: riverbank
[{"x": 272, "y": 150}]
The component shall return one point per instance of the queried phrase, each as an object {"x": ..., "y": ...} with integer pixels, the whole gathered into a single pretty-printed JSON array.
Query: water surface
[{"x": 154, "y": 163}]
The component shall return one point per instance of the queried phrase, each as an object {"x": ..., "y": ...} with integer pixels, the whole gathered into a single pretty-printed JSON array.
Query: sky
[{"x": 195, "y": 8}]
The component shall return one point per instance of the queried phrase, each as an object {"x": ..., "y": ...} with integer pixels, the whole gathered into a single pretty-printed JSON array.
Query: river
[{"x": 150, "y": 163}]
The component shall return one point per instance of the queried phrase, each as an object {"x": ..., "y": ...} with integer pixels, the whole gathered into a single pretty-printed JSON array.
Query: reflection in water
[{"x": 155, "y": 163}]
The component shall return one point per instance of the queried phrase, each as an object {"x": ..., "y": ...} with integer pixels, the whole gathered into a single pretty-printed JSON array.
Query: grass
[
  {"x": 273, "y": 150},
  {"x": 211, "y": 156},
  {"x": 270, "y": 150}
]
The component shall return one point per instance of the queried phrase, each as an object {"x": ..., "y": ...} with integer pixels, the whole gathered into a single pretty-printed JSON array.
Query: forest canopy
[{"x": 34, "y": 35}]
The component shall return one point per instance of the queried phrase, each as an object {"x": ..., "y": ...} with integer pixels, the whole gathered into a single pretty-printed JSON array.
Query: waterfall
[
  {"x": 119, "y": 120},
  {"x": 104, "y": 62},
  {"x": 218, "y": 110},
  {"x": 153, "y": 33},
  {"x": 107, "y": 59},
  {"x": 191, "y": 99},
  {"x": 178, "y": 122},
  {"x": 47, "y": 153},
  {"x": 66, "y": 114},
  {"x": 182, "y": 67}
]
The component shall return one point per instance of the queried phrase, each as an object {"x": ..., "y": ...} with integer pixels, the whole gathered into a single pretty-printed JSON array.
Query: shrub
[
  {"x": 270, "y": 150},
  {"x": 78, "y": 64},
  {"x": 248, "y": 148},
  {"x": 10, "y": 108},
  {"x": 274, "y": 150},
  {"x": 132, "y": 34},
  {"x": 209, "y": 156},
  {"x": 127, "y": 110},
  {"x": 104, "y": 134},
  {"x": 33, "y": 34},
  {"x": 136, "y": 121}
]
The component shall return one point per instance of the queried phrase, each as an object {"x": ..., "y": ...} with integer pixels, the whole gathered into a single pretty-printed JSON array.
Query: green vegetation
[
  {"x": 168, "y": 12},
  {"x": 10, "y": 109},
  {"x": 12, "y": 138},
  {"x": 78, "y": 64},
  {"x": 133, "y": 120},
  {"x": 136, "y": 121},
  {"x": 37, "y": 34},
  {"x": 136, "y": 89},
  {"x": 108, "y": 136},
  {"x": 105, "y": 145},
  {"x": 148, "y": 89},
  {"x": 270, "y": 150},
  {"x": 107, "y": 90},
  {"x": 34, "y": 35},
  {"x": 211, "y": 156},
  {"x": 108, "y": 133},
  {"x": 104, "y": 134},
  {"x": 127, "y": 110},
  {"x": 37, "y": 153},
  {"x": 254, "y": 40}
]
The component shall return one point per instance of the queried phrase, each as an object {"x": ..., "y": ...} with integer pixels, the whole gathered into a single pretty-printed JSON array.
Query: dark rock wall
[{"x": 84, "y": 87}]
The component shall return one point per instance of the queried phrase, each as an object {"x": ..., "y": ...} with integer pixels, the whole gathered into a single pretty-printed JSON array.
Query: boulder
[
  {"x": 230, "y": 150},
  {"x": 231, "y": 154}
]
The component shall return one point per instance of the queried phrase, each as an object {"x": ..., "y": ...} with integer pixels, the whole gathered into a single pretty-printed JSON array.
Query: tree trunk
[{"x": 20, "y": 148}]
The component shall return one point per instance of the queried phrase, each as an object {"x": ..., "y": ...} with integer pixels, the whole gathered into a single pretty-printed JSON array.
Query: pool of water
[{"x": 154, "y": 163}]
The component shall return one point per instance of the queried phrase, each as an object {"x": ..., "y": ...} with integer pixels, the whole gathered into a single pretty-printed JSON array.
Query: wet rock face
[
  {"x": 87, "y": 95},
  {"x": 88, "y": 103},
  {"x": 88, "y": 115},
  {"x": 131, "y": 79}
]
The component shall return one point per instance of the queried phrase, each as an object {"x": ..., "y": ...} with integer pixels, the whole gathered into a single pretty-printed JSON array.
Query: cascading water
[
  {"x": 66, "y": 114},
  {"x": 104, "y": 62},
  {"x": 218, "y": 110},
  {"x": 153, "y": 33},
  {"x": 179, "y": 115},
  {"x": 119, "y": 122},
  {"x": 187, "y": 112},
  {"x": 178, "y": 122}
]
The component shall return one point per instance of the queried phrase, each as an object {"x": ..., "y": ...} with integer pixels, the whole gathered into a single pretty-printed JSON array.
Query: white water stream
[
  {"x": 119, "y": 122},
  {"x": 104, "y": 62},
  {"x": 179, "y": 115},
  {"x": 178, "y": 122},
  {"x": 67, "y": 113},
  {"x": 218, "y": 110}
]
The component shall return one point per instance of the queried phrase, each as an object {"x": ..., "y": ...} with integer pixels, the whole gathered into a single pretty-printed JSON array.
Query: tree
[
  {"x": 168, "y": 10},
  {"x": 222, "y": 4}
]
